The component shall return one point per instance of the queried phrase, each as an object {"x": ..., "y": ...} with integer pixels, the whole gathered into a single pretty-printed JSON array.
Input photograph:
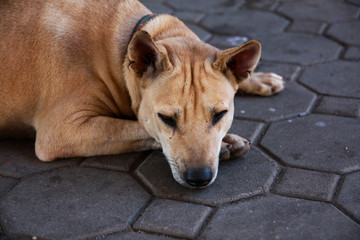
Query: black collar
[{"x": 141, "y": 23}]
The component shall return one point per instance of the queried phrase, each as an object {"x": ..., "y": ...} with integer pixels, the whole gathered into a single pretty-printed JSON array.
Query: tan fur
[{"x": 69, "y": 73}]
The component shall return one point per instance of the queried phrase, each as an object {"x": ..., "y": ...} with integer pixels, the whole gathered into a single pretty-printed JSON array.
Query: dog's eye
[
  {"x": 167, "y": 120},
  {"x": 218, "y": 116}
]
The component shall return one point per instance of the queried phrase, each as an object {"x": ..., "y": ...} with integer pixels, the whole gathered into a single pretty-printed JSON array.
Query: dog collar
[{"x": 141, "y": 23}]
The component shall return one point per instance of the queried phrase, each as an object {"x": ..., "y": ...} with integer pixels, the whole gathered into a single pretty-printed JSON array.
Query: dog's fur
[{"x": 69, "y": 72}]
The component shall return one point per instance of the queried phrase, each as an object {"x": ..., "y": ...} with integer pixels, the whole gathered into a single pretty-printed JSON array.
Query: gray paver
[
  {"x": 287, "y": 71},
  {"x": 298, "y": 48},
  {"x": 135, "y": 236},
  {"x": 189, "y": 16},
  {"x": 122, "y": 162},
  {"x": 349, "y": 197},
  {"x": 339, "y": 106},
  {"x": 291, "y": 102},
  {"x": 224, "y": 42},
  {"x": 18, "y": 159},
  {"x": 304, "y": 26},
  {"x": 339, "y": 78},
  {"x": 13, "y": 238},
  {"x": 317, "y": 142},
  {"x": 202, "y": 33},
  {"x": 324, "y": 10},
  {"x": 307, "y": 184},
  {"x": 71, "y": 203},
  {"x": 237, "y": 178},
  {"x": 209, "y": 6},
  {"x": 355, "y": 2},
  {"x": 347, "y": 32},
  {"x": 247, "y": 129},
  {"x": 6, "y": 184},
  {"x": 158, "y": 7},
  {"x": 276, "y": 217},
  {"x": 261, "y": 4},
  {"x": 352, "y": 53},
  {"x": 239, "y": 23},
  {"x": 174, "y": 218}
]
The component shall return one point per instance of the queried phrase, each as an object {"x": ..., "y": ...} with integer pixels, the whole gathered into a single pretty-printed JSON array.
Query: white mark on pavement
[
  {"x": 236, "y": 41},
  {"x": 320, "y": 124}
]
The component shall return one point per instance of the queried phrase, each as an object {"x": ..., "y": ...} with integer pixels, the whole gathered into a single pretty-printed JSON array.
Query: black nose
[{"x": 198, "y": 177}]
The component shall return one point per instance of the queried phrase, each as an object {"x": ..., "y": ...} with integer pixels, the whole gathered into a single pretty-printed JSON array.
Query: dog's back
[{"x": 44, "y": 42}]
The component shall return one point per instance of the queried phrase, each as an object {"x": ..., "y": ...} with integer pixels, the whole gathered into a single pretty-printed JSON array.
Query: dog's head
[{"x": 182, "y": 91}]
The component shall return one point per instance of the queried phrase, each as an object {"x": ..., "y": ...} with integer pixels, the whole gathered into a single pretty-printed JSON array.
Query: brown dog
[{"x": 74, "y": 72}]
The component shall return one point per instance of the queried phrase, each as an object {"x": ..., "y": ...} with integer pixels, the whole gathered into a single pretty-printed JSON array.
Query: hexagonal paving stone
[
  {"x": 293, "y": 100},
  {"x": 209, "y": 6},
  {"x": 261, "y": 4},
  {"x": 238, "y": 178},
  {"x": 14, "y": 238},
  {"x": 352, "y": 53},
  {"x": 298, "y": 48},
  {"x": 223, "y": 42},
  {"x": 304, "y": 26},
  {"x": 72, "y": 203},
  {"x": 287, "y": 71},
  {"x": 339, "y": 78},
  {"x": 157, "y": 8},
  {"x": 18, "y": 159},
  {"x": 317, "y": 142},
  {"x": 349, "y": 197},
  {"x": 245, "y": 22},
  {"x": 275, "y": 217},
  {"x": 135, "y": 236},
  {"x": 355, "y": 2},
  {"x": 323, "y": 10},
  {"x": 189, "y": 16},
  {"x": 347, "y": 32},
  {"x": 121, "y": 162},
  {"x": 307, "y": 184},
  {"x": 339, "y": 106},
  {"x": 174, "y": 218},
  {"x": 246, "y": 129},
  {"x": 202, "y": 34},
  {"x": 6, "y": 184}
]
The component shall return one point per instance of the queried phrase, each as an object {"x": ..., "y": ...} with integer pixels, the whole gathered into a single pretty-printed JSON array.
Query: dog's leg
[
  {"x": 263, "y": 84},
  {"x": 95, "y": 136},
  {"x": 233, "y": 146}
]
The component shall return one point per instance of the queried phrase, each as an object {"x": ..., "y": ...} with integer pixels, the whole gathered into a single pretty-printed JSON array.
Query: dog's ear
[
  {"x": 144, "y": 56},
  {"x": 239, "y": 62}
]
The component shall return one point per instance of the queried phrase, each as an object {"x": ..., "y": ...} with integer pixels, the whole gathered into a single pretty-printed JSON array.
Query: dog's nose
[{"x": 198, "y": 177}]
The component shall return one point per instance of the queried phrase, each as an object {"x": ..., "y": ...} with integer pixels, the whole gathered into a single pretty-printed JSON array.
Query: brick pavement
[{"x": 301, "y": 180}]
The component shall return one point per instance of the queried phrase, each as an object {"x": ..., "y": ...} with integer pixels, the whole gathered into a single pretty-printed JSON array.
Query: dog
[{"x": 91, "y": 77}]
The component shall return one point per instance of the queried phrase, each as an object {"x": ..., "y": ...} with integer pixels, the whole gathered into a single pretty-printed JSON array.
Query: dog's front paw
[
  {"x": 233, "y": 146},
  {"x": 263, "y": 84}
]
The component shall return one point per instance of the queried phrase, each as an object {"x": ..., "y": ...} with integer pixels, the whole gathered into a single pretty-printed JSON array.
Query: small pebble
[
  {"x": 272, "y": 109},
  {"x": 290, "y": 121},
  {"x": 242, "y": 111}
]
